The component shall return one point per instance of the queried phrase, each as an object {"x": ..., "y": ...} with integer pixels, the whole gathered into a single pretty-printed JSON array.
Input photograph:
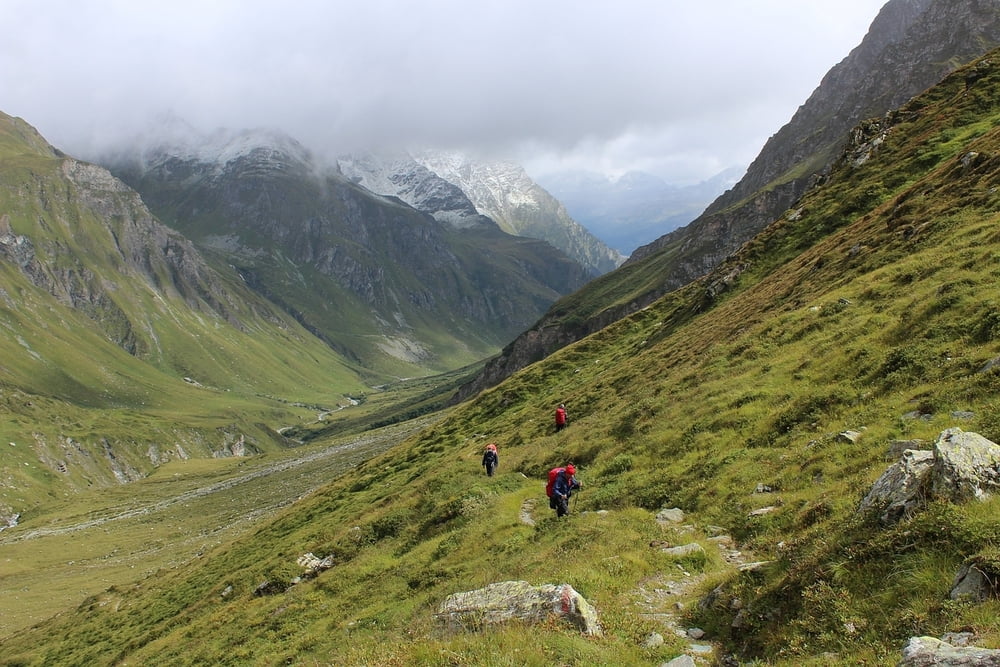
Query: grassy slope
[
  {"x": 880, "y": 300},
  {"x": 67, "y": 389}
]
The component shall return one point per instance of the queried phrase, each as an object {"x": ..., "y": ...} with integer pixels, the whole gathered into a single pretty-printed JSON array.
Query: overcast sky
[{"x": 683, "y": 89}]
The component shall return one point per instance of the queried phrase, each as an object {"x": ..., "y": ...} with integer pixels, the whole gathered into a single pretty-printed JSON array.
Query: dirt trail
[{"x": 666, "y": 596}]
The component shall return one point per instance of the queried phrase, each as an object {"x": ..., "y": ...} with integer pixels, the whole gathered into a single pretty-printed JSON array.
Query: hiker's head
[
  {"x": 571, "y": 469},
  {"x": 562, "y": 405}
]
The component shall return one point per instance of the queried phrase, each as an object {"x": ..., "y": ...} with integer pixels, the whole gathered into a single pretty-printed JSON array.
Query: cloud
[{"x": 682, "y": 87}]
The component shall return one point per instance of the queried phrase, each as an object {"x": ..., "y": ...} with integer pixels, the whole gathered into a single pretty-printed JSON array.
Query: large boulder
[
  {"x": 961, "y": 467},
  {"x": 966, "y": 466},
  {"x": 931, "y": 652},
  {"x": 901, "y": 488},
  {"x": 519, "y": 601}
]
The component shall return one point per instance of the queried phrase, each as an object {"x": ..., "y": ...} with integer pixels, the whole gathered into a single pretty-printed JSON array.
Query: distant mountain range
[{"x": 636, "y": 208}]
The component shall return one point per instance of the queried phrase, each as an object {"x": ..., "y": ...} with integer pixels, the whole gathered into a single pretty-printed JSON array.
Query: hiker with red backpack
[
  {"x": 561, "y": 417},
  {"x": 490, "y": 459},
  {"x": 560, "y": 488}
]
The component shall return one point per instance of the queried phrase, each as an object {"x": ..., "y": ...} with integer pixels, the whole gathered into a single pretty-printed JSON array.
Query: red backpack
[{"x": 552, "y": 480}]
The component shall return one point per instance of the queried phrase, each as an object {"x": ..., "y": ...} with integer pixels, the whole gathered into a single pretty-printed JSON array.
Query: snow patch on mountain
[
  {"x": 504, "y": 191},
  {"x": 401, "y": 176}
]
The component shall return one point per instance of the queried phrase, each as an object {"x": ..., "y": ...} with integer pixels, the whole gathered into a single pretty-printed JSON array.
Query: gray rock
[
  {"x": 901, "y": 488},
  {"x": 849, "y": 436},
  {"x": 684, "y": 550},
  {"x": 966, "y": 466},
  {"x": 931, "y": 652},
  {"x": 990, "y": 365},
  {"x": 958, "y": 638},
  {"x": 673, "y": 515},
  {"x": 518, "y": 600},
  {"x": 681, "y": 661},
  {"x": 962, "y": 466},
  {"x": 972, "y": 583},
  {"x": 897, "y": 447},
  {"x": 763, "y": 510},
  {"x": 654, "y": 640}
]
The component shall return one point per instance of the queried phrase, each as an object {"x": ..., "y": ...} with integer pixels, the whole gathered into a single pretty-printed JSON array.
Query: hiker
[
  {"x": 490, "y": 459},
  {"x": 561, "y": 417},
  {"x": 561, "y": 485}
]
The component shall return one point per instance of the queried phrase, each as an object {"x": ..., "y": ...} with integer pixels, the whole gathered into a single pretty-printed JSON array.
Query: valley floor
[{"x": 81, "y": 546}]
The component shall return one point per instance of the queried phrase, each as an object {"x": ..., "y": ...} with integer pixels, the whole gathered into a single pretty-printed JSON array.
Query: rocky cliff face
[
  {"x": 466, "y": 193},
  {"x": 910, "y": 46},
  {"x": 504, "y": 192},
  {"x": 97, "y": 234},
  {"x": 402, "y": 176}
]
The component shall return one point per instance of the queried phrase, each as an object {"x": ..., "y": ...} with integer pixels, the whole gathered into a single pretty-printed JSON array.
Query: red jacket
[{"x": 560, "y": 415}]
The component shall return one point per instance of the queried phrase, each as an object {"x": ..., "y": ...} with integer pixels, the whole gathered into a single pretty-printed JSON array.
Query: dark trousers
[
  {"x": 490, "y": 467},
  {"x": 560, "y": 505}
]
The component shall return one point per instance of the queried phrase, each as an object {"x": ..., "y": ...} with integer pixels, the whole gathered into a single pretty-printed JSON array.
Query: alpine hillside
[
  {"x": 124, "y": 349},
  {"x": 789, "y": 461},
  {"x": 389, "y": 287},
  {"x": 910, "y": 45}
]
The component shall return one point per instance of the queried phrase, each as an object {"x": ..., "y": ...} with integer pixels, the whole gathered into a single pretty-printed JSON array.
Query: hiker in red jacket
[
  {"x": 561, "y": 417},
  {"x": 560, "y": 487}
]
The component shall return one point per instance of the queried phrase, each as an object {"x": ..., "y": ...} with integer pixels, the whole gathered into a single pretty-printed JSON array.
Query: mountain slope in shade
[{"x": 388, "y": 286}]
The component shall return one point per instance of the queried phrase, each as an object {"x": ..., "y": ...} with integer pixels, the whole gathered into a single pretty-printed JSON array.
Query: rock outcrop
[
  {"x": 519, "y": 601},
  {"x": 962, "y": 466},
  {"x": 900, "y": 489},
  {"x": 931, "y": 652}
]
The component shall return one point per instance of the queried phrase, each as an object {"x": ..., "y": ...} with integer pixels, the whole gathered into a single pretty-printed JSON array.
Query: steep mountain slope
[
  {"x": 123, "y": 348},
  {"x": 762, "y": 400},
  {"x": 382, "y": 283},
  {"x": 910, "y": 45},
  {"x": 504, "y": 192}
]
